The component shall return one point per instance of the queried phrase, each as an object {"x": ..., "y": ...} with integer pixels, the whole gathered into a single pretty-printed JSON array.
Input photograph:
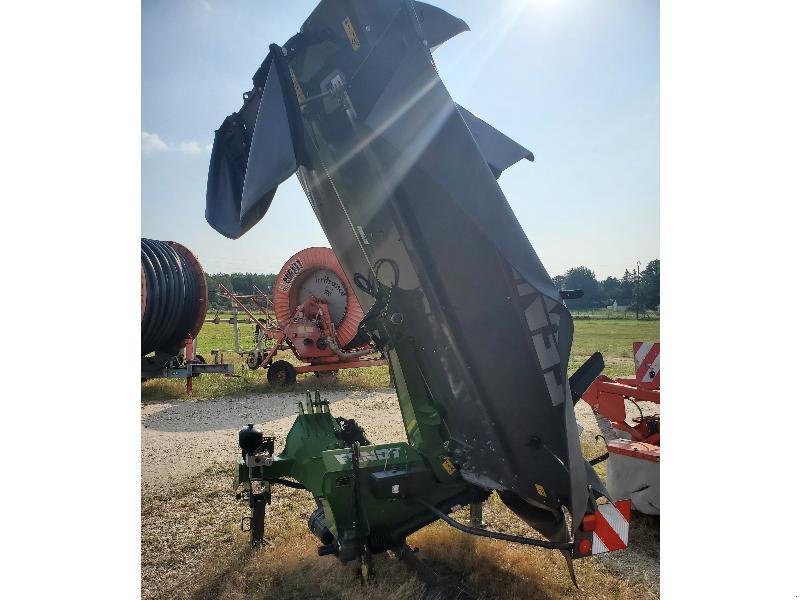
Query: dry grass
[
  {"x": 192, "y": 548},
  {"x": 247, "y": 381},
  {"x": 501, "y": 570}
]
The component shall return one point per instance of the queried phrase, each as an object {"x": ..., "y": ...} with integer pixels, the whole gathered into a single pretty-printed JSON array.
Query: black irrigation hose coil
[{"x": 174, "y": 296}]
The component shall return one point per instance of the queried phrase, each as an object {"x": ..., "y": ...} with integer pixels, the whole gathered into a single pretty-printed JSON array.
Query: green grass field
[{"x": 614, "y": 338}]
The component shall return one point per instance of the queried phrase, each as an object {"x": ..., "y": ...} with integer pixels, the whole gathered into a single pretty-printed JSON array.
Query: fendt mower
[{"x": 404, "y": 183}]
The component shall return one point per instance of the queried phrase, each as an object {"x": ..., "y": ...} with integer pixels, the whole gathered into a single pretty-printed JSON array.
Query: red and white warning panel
[
  {"x": 604, "y": 531},
  {"x": 646, "y": 356}
]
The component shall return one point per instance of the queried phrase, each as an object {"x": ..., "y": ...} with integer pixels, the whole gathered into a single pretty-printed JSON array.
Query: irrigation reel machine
[
  {"x": 323, "y": 335},
  {"x": 404, "y": 183}
]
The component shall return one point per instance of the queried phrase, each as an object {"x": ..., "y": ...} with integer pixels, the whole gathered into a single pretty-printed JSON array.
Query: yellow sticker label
[
  {"x": 301, "y": 97},
  {"x": 351, "y": 33},
  {"x": 540, "y": 490},
  {"x": 448, "y": 466}
]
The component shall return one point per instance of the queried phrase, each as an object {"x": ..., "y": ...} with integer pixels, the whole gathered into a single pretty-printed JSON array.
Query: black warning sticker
[{"x": 288, "y": 277}]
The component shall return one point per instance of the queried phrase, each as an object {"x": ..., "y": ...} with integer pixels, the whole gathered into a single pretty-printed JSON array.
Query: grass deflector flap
[{"x": 404, "y": 183}]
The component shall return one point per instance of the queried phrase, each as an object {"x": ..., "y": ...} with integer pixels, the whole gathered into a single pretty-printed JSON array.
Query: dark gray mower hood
[{"x": 397, "y": 172}]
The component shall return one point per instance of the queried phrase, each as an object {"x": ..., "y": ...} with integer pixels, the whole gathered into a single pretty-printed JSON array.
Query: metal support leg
[
  {"x": 236, "y": 329},
  {"x": 259, "y": 507},
  {"x": 476, "y": 515}
]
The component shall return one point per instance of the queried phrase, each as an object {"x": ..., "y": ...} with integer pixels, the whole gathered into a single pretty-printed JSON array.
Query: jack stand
[
  {"x": 365, "y": 565},
  {"x": 259, "y": 506},
  {"x": 476, "y": 515}
]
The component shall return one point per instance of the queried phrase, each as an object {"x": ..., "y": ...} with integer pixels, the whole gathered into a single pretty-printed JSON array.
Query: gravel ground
[{"x": 184, "y": 439}]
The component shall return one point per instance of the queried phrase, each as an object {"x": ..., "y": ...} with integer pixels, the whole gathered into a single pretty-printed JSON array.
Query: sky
[{"x": 575, "y": 81}]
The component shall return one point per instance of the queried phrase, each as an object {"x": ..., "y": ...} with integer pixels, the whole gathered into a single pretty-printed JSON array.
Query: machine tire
[{"x": 281, "y": 372}]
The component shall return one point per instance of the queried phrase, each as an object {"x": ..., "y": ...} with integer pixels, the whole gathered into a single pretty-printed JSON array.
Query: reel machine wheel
[{"x": 281, "y": 372}]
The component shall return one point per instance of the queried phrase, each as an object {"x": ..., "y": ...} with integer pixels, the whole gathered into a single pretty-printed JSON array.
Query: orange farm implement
[{"x": 313, "y": 313}]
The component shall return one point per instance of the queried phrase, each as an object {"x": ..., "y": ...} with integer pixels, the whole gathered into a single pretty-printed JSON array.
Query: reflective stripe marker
[
  {"x": 647, "y": 360},
  {"x": 612, "y": 523}
]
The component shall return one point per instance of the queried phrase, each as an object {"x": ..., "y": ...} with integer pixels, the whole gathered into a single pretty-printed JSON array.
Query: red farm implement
[{"x": 634, "y": 447}]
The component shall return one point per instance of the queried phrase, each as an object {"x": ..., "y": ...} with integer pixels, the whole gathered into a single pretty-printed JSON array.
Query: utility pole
[{"x": 637, "y": 293}]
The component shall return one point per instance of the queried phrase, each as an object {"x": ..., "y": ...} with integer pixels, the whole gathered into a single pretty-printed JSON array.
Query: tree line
[
  {"x": 238, "y": 283},
  {"x": 638, "y": 289}
]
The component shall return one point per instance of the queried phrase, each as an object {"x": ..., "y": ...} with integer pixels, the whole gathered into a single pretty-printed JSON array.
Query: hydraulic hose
[
  {"x": 174, "y": 296},
  {"x": 497, "y": 535},
  {"x": 344, "y": 354}
]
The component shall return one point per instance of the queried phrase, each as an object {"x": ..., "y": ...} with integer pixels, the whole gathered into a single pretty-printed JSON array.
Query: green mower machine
[{"x": 404, "y": 183}]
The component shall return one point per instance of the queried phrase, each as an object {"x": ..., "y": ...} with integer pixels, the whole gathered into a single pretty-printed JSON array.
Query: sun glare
[{"x": 538, "y": 5}]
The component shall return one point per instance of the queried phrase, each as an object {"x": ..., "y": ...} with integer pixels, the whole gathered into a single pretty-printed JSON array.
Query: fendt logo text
[{"x": 380, "y": 454}]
